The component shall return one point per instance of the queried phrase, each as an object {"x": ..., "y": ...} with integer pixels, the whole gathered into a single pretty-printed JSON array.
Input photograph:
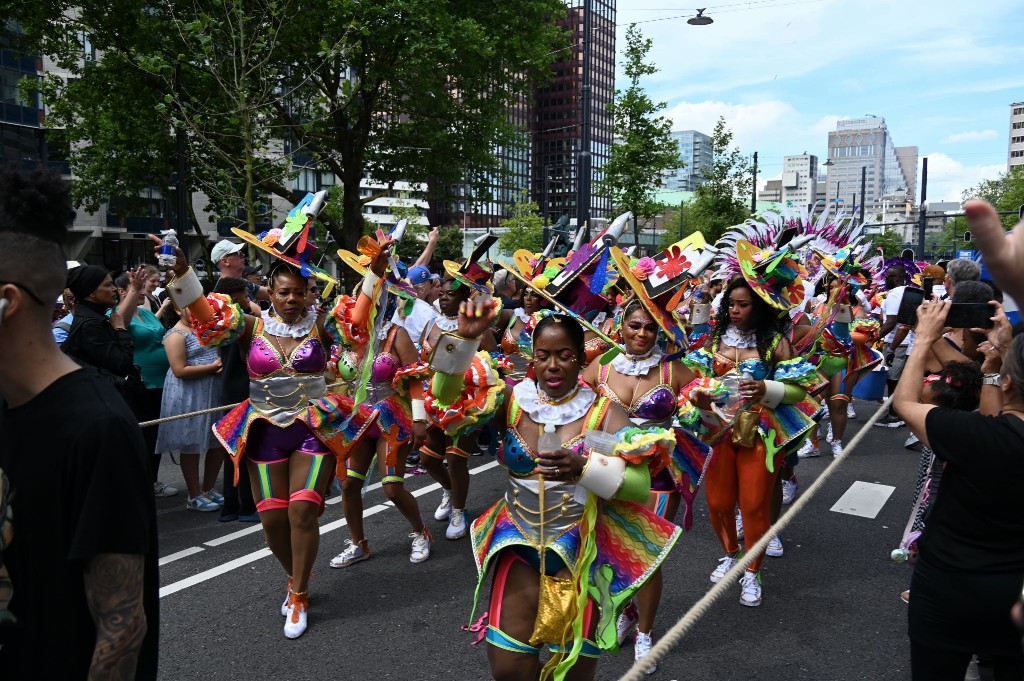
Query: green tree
[
  {"x": 524, "y": 228},
  {"x": 643, "y": 146},
  {"x": 449, "y": 243},
  {"x": 720, "y": 202},
  {"x": 890, "y": 241}
]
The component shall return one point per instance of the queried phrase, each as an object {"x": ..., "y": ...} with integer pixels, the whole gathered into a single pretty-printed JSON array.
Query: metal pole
[
  {"x": 547, "y": 187},
  {"x": 753, "y": 189},
  {"x": 681, "y": 219},
  {"x": 922, "y": 217},
  {"x": 583, "y": 159},
  {"x": 863, "y": 185}
]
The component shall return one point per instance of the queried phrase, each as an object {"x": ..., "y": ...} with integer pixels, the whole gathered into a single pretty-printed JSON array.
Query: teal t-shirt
[{"x": 150, "y": 356}]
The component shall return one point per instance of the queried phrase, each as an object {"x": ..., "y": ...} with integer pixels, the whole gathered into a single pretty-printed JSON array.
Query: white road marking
[
  {"x": 263, "y": 553},
  {"x": 257, "y": 527},
  {"x": 864, "y": 499},
  {"x": 180, "y": 554}
]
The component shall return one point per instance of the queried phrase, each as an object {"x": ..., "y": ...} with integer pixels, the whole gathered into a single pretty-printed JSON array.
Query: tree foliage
[
  {"x": 643, "y": 146},
  {"x": 890, "y": 241},
  {"x": 720, "y": 202},
  {"x": 524, "y": 228}
]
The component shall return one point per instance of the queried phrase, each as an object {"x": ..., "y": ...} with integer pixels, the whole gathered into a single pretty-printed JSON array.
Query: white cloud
[
  {"x": 948, "y": 178},
  {"x": 972, "y": 136}
]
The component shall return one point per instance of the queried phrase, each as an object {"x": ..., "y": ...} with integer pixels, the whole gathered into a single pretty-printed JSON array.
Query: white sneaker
[
  {"x": 808, "y": 450},
  {"x": 456, "y": 524},
  {"x": 353, "y": 553},
  {"x": 824, "y": 413},
  {"x": 626, "y": 623},
  {"x": 774, "y": 547},
  {"x": 911, "y": 441},
  {"x": 444, "y": 509},
  {"x": 789, "y": 488},
  {"x": 751, "y": 589},
  {"x": 214, "y": 496},
  {"x": 161, "y": 490},
  {"x": 641, "y": 647},
  {"x": 420, "y": 546},
  {"x": 739, "y": 526},
  {"x": 295, "y": 618},
  {"x": 851, "y": 413},
  {"x": 287, "y": 598},
  {"x": 829, "y": 437},
  {"x": 201, "y": 503},
  {"x": 837, "y": 448},
  {"x": 724, "y": 565}
]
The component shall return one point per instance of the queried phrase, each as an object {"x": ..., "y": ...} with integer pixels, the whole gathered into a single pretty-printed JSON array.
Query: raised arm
[
  {"x": 113, "y": 592},
  {"x": 428, "y": 252}
]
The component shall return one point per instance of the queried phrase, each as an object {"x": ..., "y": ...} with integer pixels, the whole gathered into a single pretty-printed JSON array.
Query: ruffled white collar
[
  {"x": 540, "y": 408},
  {"x": 735, "y": 338},
  {"x": 385, "y": 329},
  {"x": 521, "y": 315},
  {"x": 300, "y": 329},
  {"x": 637, "y": 365},
  {"x": 448, "y": 324}
]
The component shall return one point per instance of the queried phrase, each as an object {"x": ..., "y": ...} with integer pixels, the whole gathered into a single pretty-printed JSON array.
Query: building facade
[
  {"x": 696, "y": 153},
  {"x": 889, "y": 171},
  {"x": 800, "y": 180},
  {"x": 1015, "y": 155}
]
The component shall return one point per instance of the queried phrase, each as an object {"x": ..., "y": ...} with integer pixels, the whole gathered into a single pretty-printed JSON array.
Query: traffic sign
[{"x": 965, "y": 255}]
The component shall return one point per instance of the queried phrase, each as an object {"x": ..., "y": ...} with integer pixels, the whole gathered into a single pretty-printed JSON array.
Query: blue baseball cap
[{"x": 420, "y": 274}]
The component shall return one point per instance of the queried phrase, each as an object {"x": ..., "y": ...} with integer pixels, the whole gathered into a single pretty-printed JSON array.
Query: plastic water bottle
[
  {"x": 167, "y": 256},
  {"x": 900, "y": 555},
  {"x": 548, "y": 441}
]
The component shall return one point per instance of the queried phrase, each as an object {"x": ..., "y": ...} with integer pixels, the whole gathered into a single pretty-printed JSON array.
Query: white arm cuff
[
  {"x": 603, "y": 475},
  {"x": 185, "y": 290},
  {"x": 774, "y": 391},
  {"x": 844, "y": 315},
  {"x": 701, "y": 313},
  {"x": 419, "y": 411},
  {"x": 453, "y": 354},
  {"x": 369, "y": 284}
]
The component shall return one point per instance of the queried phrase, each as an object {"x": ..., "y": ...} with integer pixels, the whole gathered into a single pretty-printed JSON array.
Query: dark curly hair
[
  {"x": 766, "y": 321},
  {"x": 958, "y": 386}
]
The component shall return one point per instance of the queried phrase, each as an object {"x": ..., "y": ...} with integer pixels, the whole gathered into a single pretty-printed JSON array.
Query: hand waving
[
  {"x": 476, "y": 316},
  {"x": 1003, "y": 253}
]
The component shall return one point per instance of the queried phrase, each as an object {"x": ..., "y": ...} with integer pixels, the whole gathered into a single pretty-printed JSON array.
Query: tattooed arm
[{"x": 113, "y": 589}]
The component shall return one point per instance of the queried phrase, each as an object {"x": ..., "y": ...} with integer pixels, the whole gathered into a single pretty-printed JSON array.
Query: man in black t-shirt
[{"x": 81, "y": 542}]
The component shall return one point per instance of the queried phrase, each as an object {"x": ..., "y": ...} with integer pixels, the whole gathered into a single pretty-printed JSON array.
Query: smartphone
[
  {"x": 926, "y": 284},
  {"x": 970, "y": 316},
  {"x": 912, "y": 299}
]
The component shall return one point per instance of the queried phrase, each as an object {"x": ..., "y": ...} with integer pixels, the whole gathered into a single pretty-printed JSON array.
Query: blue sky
[{"x": 941, "y": 73}]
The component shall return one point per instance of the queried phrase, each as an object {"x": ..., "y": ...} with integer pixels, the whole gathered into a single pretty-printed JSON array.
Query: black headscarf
[{"x": 85, "y": 279}]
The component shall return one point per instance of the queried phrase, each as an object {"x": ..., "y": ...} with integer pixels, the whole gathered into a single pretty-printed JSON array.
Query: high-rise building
[
  {"x": 889, "y": 171},
  {"x": 1015, "y": 155},
  {"x": 800, "y": 180},
  {"x": 696, "y": 154},
  {"x": 557, "y": 120}
]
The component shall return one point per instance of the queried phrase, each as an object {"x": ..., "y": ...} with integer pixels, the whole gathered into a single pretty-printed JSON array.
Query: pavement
[{"x": 831, "y": 607}]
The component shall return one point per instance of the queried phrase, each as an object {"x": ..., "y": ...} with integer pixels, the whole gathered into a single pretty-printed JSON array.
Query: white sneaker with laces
[
  {"x": 201, "y": 503},
  {"x": 789, "y": 488},
  {"x": 724, "y": 565},
  {"x": 739, "y": 526},
  {"x": 808, "y": 450},
  {"x": 837, "y": 448},
  {"x": 774, "y": 547},
  {"x": 456, "y": 524},
  {"x": 830, "y": 436},
  {"x": 751, "y": 589},
  {"x": 353, "y": 553},
  {"x": 851, "y": 413},
  {"x": 161, "y": 490},
  {"x": 420, "y": 546},
  {"x": 214, "y": 496},
  {"x": 626, "y": 623},
  {"x": 444, "y": 509},
  {"x": 295, "y": 618},
  {"x": 641, "y": 647}
]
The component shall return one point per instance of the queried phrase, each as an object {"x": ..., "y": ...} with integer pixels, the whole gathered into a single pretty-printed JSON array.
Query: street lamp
[{"x": 700, "y": 19}]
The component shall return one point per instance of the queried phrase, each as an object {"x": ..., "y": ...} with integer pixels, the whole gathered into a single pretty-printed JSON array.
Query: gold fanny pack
[
  {"x": 556, "y": 603},
  {"x": 744, "y": 430}
]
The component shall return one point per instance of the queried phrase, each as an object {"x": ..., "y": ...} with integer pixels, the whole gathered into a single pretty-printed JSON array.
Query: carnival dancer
[
  {"x": 443, "y": 455},
  {"x": 564, "y": 517},
  {"x": 749, "y": 343},
  {"x": 292, "y": 432},
  {"x": 515, "y": 341},
  {"x": 398, "y": 423}
]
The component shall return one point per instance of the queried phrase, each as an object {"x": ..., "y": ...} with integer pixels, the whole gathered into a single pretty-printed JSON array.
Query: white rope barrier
[{"x": 638, "y": 672}]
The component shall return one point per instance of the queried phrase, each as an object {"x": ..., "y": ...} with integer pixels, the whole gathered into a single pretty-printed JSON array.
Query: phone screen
[
  {"x": 970, "y": 316},
  {"x": 912, "y": 299}
]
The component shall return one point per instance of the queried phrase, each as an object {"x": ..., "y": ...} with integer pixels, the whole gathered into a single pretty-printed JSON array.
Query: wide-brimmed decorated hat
[
  {"x": 581, "y": 283},
  {"x": 532, "y": 265},
  {"x": 774, "y": 275},
  {"x": 661, "y": 283},
  {"x": 843, "y": 265},
  {"x": 292, "y": 242},
  {"x": 369, "y": 247},
  {"x": 472, "y": 272}
]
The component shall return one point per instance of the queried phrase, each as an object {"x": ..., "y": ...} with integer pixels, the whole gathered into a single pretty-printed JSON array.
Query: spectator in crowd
[
  {"x": 148, "y": 340},
  {"x": 82, "y": 555},
  {"x": 238, "y": 501},
  {"x": 957, "y": 271},
  {"x": 506, "y": 287},
  {"x": 428, "y": 290},
  {"x": 253, "y": 273},
  {"x": 101, "y": 341},
  {"x": 971, "y": 555},
  {"x": 63, "y": 325},
  {"x": 895, "y": 339},
  {"x": 149, "y": 299},
  {"x": 312, "y": 293},
  {"x": 1002, "y": 253},
  {"x": 228, "y": 259},
  {"x": 192, "y": 384}
]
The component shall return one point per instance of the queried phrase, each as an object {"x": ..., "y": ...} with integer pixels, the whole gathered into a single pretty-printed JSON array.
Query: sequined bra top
[
  {"x": 520, "y": 460},
  {"x": 385, "y": 366},
  {"x": 265, "y": 357},
  {"x": 657, "y": 404}
]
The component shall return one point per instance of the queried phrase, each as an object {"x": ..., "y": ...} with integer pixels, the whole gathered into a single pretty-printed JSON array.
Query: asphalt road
[{"x": 831, "y": 605}]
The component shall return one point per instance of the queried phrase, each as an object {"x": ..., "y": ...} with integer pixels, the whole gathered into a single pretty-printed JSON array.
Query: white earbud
[{"x": 3, "y": 308}]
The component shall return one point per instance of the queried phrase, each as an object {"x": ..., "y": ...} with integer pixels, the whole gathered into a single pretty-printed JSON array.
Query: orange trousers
[{"x": 739, "y": 474}]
